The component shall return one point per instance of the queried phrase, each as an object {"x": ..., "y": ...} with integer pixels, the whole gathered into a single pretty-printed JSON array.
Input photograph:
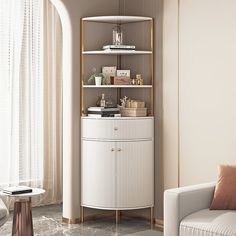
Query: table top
[{"x": 35, "y": 192}]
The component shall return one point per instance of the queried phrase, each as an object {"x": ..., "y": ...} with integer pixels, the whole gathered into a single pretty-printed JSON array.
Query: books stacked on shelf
[
  {"x": 104, "y": 112},
  {"x": 118, "y": 47},
  {"x": 17, "y": 190}
]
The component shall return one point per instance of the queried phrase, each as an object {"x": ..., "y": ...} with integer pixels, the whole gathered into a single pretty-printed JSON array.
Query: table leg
[{"x": 22, "y": 219}]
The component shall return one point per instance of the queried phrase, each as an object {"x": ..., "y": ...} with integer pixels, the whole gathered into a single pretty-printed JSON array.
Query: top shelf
[{"x": 117, "y": 19}]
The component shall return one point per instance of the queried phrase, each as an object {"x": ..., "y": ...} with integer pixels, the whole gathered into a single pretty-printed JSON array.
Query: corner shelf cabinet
[{"x": 117, "y": 154}]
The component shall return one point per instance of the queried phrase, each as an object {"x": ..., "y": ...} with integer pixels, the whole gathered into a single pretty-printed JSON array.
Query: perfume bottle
[{"x": 103, "y": 101}]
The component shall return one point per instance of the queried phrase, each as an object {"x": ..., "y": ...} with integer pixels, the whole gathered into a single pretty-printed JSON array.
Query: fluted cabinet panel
[
  {"x": 135, "y": 174},
  {"x": 98, "y": 179}
]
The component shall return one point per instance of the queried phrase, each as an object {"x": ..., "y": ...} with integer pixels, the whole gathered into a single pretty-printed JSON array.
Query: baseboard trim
[
  {"x": 99, "y": 216},
  {"x": 159, "y": 223},
  {"x": 71, "y": 221}
]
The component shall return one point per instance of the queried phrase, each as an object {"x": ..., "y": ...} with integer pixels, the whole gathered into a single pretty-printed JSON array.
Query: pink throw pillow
[{"x": 225, "y": 191}]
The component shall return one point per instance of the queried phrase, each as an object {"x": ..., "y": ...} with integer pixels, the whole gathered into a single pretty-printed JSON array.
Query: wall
[
  {"x": 199, "y": 89},
  {"x": 194, "y": 101},
  {"x": 73, "y": 10}
]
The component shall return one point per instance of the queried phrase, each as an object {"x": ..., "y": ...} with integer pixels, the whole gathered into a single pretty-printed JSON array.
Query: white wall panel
[
  {"x": 199, "y": 89},
  {"x": 207, "y": 88}
]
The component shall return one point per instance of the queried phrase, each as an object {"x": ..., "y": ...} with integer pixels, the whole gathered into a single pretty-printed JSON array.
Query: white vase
[{"x": 98, "y": 80}]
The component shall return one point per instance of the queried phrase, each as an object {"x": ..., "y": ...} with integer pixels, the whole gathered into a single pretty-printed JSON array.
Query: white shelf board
[
  {"x": 117, "y": 19},
  {"x": 118, "y": 118},
  {"x": 116, "y": 52},
  {"x": 117, "y": 86}
]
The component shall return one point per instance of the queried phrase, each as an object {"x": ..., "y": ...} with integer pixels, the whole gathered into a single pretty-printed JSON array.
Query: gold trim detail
[
  {"x": 159, "y": 223},
  {"x": 117, "y": 216},
  {"x": 81, "y": 67},
  {"x": 82, "y": 214},
  {"x": 151, "y": 215},
  {"x": 152, "y": 64},
  {"x": 178, "y": 96},
  {"x": 70, "y": 221}
]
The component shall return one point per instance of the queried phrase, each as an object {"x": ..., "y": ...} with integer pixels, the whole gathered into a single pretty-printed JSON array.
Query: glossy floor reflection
[{"x": 47, "y": 221}]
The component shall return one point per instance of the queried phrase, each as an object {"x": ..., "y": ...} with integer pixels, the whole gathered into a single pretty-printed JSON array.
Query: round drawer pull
[
  {"x": 119, "y": 149},
  {"x": 115, "y": 128},
  {"x": 112, "y": 150}
]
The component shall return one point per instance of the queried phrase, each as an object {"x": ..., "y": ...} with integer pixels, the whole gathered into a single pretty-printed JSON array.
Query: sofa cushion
[{"x": 209, "y": 223}]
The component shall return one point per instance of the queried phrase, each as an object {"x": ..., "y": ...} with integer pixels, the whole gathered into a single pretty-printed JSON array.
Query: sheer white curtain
[
  {"x": 21, "y": 92},
  {"x": 30, "y": 96}
]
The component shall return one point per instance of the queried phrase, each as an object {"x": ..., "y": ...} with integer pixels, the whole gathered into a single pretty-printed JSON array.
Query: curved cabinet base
[{"x": 117, "y": 173}]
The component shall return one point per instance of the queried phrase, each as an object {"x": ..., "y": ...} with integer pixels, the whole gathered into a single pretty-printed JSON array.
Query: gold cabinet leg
[
  {"x": 151, "y": 216},
  {"x": 117, "y": 216},
  {"x": 82, "y": 214}
]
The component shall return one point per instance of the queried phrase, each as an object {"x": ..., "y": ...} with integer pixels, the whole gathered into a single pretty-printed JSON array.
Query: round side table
[{"x": 22, "y": 216}]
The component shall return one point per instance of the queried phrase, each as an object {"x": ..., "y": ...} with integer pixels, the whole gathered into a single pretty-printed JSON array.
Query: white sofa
[
  {"x": 186, "y": 213},
  {"x": 3, "y": 213}
]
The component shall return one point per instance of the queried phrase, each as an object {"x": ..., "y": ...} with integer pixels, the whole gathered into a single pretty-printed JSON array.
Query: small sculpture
[
  {"x": 139, "y": 80},
  {"x": 123, "y": 101}
]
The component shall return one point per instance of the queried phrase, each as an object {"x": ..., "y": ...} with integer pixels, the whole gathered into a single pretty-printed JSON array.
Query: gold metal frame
[
  {"x": 178, "y": 100},
  {"x": 81, "y": 67},
  {"x": 118, "y": 216},
  {"x": 152, "y": 65},
  {"x": 82, "y": 112}
]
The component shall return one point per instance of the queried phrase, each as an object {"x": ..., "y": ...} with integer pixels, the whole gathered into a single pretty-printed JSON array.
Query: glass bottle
[{"x": 103, "y": 101}]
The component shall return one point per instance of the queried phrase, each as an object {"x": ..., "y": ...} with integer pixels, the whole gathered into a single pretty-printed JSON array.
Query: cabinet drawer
[{"x": 117, "y": 129}]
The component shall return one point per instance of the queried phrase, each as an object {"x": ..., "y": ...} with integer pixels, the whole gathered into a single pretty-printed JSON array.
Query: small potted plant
[{"x": 96, "y": 78}]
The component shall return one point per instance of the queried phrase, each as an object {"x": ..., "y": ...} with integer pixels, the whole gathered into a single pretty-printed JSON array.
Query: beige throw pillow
[{"x": 225, "y": 191}]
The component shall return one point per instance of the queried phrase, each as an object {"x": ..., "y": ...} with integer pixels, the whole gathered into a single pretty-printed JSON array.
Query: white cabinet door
[
  {"x": 98, "y": 174},
  {"x": 135, "y": 174}
]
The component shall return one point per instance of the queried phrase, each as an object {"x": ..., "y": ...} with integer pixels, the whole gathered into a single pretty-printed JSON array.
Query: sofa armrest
[{"x": 180, "y": 202}]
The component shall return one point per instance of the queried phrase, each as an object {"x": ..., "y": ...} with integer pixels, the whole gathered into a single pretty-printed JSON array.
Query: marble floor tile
[{"x": 47, "y": 222}]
